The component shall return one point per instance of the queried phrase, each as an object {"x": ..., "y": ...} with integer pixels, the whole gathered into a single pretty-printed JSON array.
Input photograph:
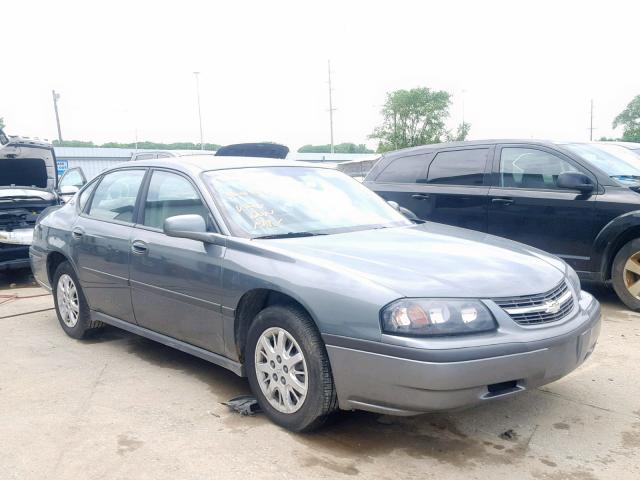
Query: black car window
[
  {"x": 459, "y": 167},
  {"x": 404, "y": 170},
  {"x": 115, "y": 196},
  {"x": 170, "y": 195},
  {"x": 531, "y": 168}
]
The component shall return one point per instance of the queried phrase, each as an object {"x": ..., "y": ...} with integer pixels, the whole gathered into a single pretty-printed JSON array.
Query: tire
[
  {"x": 300, "y": 413},
  {"x": 622, "y": 277},
  {"x": 71, "y": 307}
]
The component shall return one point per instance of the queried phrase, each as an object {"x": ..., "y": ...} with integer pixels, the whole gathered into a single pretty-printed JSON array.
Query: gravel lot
[{"x": 122, "y": 407}]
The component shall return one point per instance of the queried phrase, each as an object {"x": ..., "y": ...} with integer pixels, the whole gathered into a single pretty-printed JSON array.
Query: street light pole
[
  {"x": 331, "y": 109},
  {"x": 197, "y": 74},
  {"x": 56, "y": 96}
]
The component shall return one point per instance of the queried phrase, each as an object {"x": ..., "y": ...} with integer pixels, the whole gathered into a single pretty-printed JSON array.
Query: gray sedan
[{"x": 309, "y": 284}]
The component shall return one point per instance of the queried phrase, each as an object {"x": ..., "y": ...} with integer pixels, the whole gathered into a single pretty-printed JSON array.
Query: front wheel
[
  {"x": 625, "y": 274},
  {"x": 288, "y": 369}
]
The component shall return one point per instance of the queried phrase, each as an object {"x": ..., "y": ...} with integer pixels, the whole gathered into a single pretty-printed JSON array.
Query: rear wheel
[
  {"x": 625, "y": 274},
  {"x": 288, "y": 369},
  {"x": 71, "y": 306}
]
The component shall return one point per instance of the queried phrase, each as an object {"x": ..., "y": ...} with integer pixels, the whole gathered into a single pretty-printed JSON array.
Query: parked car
[
  {"x": 579, "y": 201},
  {"x": 28, "y": 185},
  {"x": 633, "y": 146},
  {"x": 312, "y": 286}
]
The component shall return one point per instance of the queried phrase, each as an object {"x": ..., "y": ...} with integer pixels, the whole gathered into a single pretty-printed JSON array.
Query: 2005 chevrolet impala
[{"x": 317, "y": 290}]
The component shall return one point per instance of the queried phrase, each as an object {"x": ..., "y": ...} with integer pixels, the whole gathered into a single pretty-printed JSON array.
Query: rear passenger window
[
  {"x": 459, "y": 167},
  {"x": 170, "y": 195},
  {"x": 404, "y": 170},
  {"x": 115, "y": 196}
]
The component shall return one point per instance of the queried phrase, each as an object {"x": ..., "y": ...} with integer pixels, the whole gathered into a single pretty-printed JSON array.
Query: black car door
[
  {"x": 527, "y": 205},
  {"x": 446, "y": 186}
]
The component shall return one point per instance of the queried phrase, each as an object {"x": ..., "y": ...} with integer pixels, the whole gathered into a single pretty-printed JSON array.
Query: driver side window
[{"x": 531, "y": 168}]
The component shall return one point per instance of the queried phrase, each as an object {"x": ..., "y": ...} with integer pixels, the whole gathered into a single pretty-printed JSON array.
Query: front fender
[{"x": 606, "y": 243}]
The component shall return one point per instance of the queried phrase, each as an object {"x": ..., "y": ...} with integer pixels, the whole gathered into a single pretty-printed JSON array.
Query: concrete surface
[{"x": 122, "y": 407}]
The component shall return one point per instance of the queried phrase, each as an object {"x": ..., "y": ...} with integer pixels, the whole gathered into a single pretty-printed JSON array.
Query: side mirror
[
  {"x": 575, "y": 181},
  {"x": 405, "y": 211},
  {"x": 190, "y": 226}
]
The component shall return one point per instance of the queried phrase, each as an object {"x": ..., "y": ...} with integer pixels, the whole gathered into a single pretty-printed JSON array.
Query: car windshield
[
  {"x": 614, "y": 160},
  {"x": 271, "y": 202}
]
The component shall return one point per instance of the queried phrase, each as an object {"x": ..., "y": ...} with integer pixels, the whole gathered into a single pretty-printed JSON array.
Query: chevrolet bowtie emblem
[{"x": 552, "y": 307}]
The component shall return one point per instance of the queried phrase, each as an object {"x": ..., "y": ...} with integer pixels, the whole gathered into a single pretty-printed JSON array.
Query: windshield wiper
[{"x": 289, "y": 235}]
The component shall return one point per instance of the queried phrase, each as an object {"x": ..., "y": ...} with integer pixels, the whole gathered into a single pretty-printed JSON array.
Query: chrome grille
[{"x": 546, "y": 307}]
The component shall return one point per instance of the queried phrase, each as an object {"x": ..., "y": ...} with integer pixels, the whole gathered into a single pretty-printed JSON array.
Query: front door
[
  {"x": 101, "y": 237},
  {"x": 176, "y": 282},
  {"x": 527, "y": 205}
]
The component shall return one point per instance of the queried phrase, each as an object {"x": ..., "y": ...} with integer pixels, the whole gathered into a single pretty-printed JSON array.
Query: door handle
[
  {"x": 139, "y": 247},
  {"x": 503, "y": 201},
  {"x": 420, "y": 196},
  {"x": 77, "y": 233}
]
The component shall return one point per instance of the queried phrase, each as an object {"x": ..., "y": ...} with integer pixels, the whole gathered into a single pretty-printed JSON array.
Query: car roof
[
  {"x": 195, "y": 164},
  {"x": 469, "y": 143}
]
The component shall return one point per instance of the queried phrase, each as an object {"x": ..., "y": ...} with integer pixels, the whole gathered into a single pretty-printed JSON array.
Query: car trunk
[{"x": 27, "y": 186}]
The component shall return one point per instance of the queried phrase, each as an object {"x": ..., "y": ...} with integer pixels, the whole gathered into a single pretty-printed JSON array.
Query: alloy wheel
[
  {"x": 281, "y": 370},
  {"x": 68, "y": 304}
]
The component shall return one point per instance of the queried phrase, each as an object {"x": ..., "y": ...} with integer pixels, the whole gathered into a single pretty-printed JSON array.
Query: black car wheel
[
  {"x": 289, "y": 369},
  {"x": 625, "y": 274},
  {"x": 71, "y": 306}
]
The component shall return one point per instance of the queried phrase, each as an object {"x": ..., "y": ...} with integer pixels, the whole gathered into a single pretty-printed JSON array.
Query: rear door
[
  {"x": 101, "y": 239},
  {"x": 447, "y": 186},
  {"x": 526, "y": 205},
  {"x": 176, "y": 283}
]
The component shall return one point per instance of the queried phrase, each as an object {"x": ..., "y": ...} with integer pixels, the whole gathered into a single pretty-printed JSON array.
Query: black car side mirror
[{"x": 575, "y": 181}]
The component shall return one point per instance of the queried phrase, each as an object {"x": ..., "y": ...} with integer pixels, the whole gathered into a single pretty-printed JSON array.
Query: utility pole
[
  {"x": 56, "y": 96},
  {"x": 197, "y": 74},
  {"x": 591, "y": 123},
  {"x": 331, "y": 109}
]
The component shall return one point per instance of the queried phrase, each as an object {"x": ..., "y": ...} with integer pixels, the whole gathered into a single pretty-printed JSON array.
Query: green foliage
[
  {"x": 1, "y": 122},
  {"x": 415, "y": 117},
  {"x": 461, "y": 133},
  {"x": 140, "y": 145},
  {"x": 629, "y": 118},
  {"x": 608, "y": 139},
  {"x": 73, "y": 143},
  {"x": 340, "y": 148}
]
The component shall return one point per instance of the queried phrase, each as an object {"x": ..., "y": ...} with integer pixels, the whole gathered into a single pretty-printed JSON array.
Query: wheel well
[
  {"x": 617, "y": 244},
  {"x": 252, "y": 303},
  {"x": 53, "y": 260}
]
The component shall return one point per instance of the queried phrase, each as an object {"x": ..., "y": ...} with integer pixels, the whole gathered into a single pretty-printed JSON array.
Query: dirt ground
[{"x": 121, "y": 407}]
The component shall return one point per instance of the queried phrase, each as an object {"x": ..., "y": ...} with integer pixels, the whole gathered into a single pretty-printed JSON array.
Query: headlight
[
  {"x": 436, "y": 317},
  {"x": 574, "y": 280}
]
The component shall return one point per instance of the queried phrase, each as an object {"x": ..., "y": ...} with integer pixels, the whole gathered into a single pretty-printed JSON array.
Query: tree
[
  {"x": 629, "y": 118},
  {"x": 461, "y": 133},
  {"x": 1, "y": 122},
  {"x": 73, "y": 143},
  {"x": 415, "y": 117},
  {"x": 340, "y": 148}
]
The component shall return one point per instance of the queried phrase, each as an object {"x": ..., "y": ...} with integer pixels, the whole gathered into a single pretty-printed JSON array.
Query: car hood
[{"x": 433, "y": 260}]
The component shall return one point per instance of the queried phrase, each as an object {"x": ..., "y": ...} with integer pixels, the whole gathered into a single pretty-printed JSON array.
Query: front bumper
[
  {"x": 391, "y": 384},
  {"x": 13, "y": 256}
]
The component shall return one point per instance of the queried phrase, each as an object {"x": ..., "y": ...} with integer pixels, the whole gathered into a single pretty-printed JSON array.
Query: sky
[{"x": 124, "y": 70}]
